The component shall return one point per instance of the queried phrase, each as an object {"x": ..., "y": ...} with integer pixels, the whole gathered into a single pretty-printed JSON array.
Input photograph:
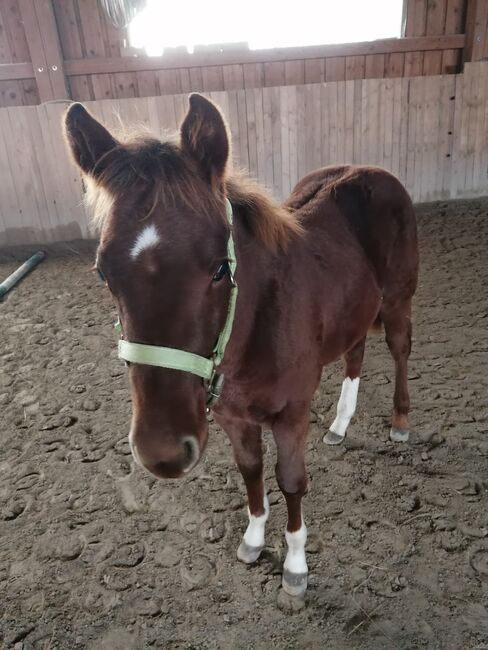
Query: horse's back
[{"x": 378, "y": 210}]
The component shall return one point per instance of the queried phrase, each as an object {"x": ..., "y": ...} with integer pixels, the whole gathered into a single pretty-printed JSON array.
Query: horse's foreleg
[
  {"x": 346, "y": 406},
  {"x": 290, "y": 434},
  {"x": 248, "y": 453}
]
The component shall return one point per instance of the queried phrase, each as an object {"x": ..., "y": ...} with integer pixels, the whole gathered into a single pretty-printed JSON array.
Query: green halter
[{"x": 155, "y": 355}]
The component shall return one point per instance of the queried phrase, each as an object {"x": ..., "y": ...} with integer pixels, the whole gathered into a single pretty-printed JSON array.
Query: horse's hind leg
[
  {"x": 346, "y": 406},
  {"x": 398, "y": 330},
  {"x": 247, "y": 446}
]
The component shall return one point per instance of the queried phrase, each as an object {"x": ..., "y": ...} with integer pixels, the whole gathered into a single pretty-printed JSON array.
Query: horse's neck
[{"x": 260, "y": 276}]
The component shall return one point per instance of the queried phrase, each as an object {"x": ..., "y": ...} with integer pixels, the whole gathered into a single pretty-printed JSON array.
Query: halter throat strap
[{"x": 175, "y": 359}]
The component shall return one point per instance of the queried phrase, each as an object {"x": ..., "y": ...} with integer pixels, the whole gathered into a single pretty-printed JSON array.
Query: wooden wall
[
  {"x": 432, "y": 132},
  {"x": 55, "y": 49}
]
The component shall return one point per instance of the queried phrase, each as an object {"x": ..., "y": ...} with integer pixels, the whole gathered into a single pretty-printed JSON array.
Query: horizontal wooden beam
[
  {"x": 15, "y": 71},
  {"x": 102, "y": 65},
  {"x": 11, "y": 71}
]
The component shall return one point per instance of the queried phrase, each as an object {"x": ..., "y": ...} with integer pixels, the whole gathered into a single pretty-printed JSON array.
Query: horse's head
[{"x": 163, "y": 253}]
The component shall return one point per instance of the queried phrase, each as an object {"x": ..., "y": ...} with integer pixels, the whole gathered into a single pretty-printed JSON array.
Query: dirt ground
[{"x": 96, "y": 554}]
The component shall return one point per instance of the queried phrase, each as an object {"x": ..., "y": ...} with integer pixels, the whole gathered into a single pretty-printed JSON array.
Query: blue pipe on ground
[{"x": 17, "y": 275}]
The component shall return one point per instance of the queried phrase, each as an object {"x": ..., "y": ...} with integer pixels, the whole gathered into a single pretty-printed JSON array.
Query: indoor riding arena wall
[{"x": 430, "y": 131}]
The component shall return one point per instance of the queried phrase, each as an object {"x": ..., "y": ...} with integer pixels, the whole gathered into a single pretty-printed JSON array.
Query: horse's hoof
[
  {"x": 332, "y": 438},
  {"x": 247, "y": 553},
  {"x": 399, "y": 435},
  {"x": 295, "y": 584}
]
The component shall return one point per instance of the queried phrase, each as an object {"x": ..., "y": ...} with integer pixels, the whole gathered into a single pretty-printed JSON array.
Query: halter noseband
[{"x": 175, "y": 359}]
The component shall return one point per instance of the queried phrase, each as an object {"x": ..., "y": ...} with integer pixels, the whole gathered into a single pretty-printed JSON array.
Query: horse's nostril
[{"x": 191, "y": 452}]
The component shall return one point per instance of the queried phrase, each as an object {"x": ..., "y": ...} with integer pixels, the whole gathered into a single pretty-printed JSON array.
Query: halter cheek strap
[{"x": 175, "y": 359}]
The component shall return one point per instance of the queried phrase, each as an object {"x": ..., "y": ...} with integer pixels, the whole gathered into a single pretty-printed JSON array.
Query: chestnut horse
[{"x": 314, "y": 275}]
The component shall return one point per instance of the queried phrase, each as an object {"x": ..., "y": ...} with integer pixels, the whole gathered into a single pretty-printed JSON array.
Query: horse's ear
[
  {"x": 204, "y": 136},
  {"x": 87, "y": 139}
]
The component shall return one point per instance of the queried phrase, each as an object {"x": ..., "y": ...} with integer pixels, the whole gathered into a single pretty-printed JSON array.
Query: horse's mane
[{"x": 171, "y": 175}]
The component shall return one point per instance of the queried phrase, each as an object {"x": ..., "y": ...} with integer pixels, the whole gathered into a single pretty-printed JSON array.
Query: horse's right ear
[
  {"x": 87, "y": 139},
  {"x": 204, "y": 136}
]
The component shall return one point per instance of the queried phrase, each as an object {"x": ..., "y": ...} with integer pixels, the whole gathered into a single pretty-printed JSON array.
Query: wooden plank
[
  {"x": 71, "y": 46},
  {"x": 435, "y": 24},
  {"x": 48, "y": 29},
  {"x": 274, "y": 74},
  {"x": 26, "y": 131},
  {"x": 315, "y": 128},
  {"x": 358, "y": 126},
  {"x": 275, "y": 141},
  {"x": 233, "y": 77},
  {"x": 261, "y": 134},
  {"x": 349, "y": 122},
  {"x": 294, "y": 72},
  {"x": 302, "y": 129},
  {"x": 16, "y": 71},
  {"x": 253, "y": 75},
  {"x": 476, "y": 28},
  {"x": 416, "y": 22},
  {"x": 292, "y": 106},
  {"x": 374, "y": 66},
  {"x": 285, "y": 142},
  {"x": 416, "y": 25},
  {"x": 212, "y": 78},
  {"x": 251, "y": 133},
  {"x": 335, "y": 69},
  {"x": 387, "y": 104},
  {"x": 475, "y": 124},
  {"x": 89, "y": 25},
  {"x": 147, "y": 83},
  {"x": 332, "y": 116},
  {"x": 314, "y": 71},
  {"x": 36, "y": 49},
  {"x": 340, "y": 120},
  {"x": 458, "y": 155},
  {"x": 13, "y": 217},
  {"x": 169, "y": 82},
  {"x": 405, "y": 94},
  {"x": 394, "y": 65},
  {"x": 419, "y": 147},
  {"x": 445, "y": 125},
  {"x": 275, "y": 55},
  {"x": 482, "y": 143},
  {"x": 196, "y": 80},
  {"x": 15, "y": 50},
  {"x": 413, "y": 64},
  {"x": 451, "y": 59},
  {"x": 241, "y": 125},
  {"x": 355, "y": 67}
]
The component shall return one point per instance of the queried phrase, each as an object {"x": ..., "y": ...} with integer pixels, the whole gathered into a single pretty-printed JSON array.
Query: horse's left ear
[{"x": 204, "y": 136}]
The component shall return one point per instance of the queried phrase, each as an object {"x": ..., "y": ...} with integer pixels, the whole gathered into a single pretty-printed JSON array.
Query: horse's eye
[{"x": 221, "y": 271}]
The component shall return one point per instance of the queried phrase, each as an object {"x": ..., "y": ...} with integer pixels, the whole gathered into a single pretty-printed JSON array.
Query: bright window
[{"x": 262, "y": 23}]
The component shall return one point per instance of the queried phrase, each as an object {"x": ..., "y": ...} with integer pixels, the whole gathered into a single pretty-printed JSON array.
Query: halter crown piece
[{"x": 175, "y": 359}]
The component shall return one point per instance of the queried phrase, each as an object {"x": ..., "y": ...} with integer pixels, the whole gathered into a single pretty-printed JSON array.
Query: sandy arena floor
[{"x": 96, "y": 554}]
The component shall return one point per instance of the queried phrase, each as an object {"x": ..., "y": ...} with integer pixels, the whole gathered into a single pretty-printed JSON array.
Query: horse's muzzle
[{"x": 165, "y": 461}]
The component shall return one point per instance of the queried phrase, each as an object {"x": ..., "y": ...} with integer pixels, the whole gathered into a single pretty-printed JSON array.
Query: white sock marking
[
  {"x": 147, "y": 238},
  {"x": 254, "y": 535},
  {"x": 346, "y": 406},
  {"x": 295, "y": 561}
]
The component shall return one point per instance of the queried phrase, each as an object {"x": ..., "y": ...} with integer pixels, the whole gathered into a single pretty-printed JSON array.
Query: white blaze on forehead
[{"x": 147, "y": 238}]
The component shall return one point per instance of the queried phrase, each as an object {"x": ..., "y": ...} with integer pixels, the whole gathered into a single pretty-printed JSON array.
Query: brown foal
[{"x": 314, "y": 275}]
